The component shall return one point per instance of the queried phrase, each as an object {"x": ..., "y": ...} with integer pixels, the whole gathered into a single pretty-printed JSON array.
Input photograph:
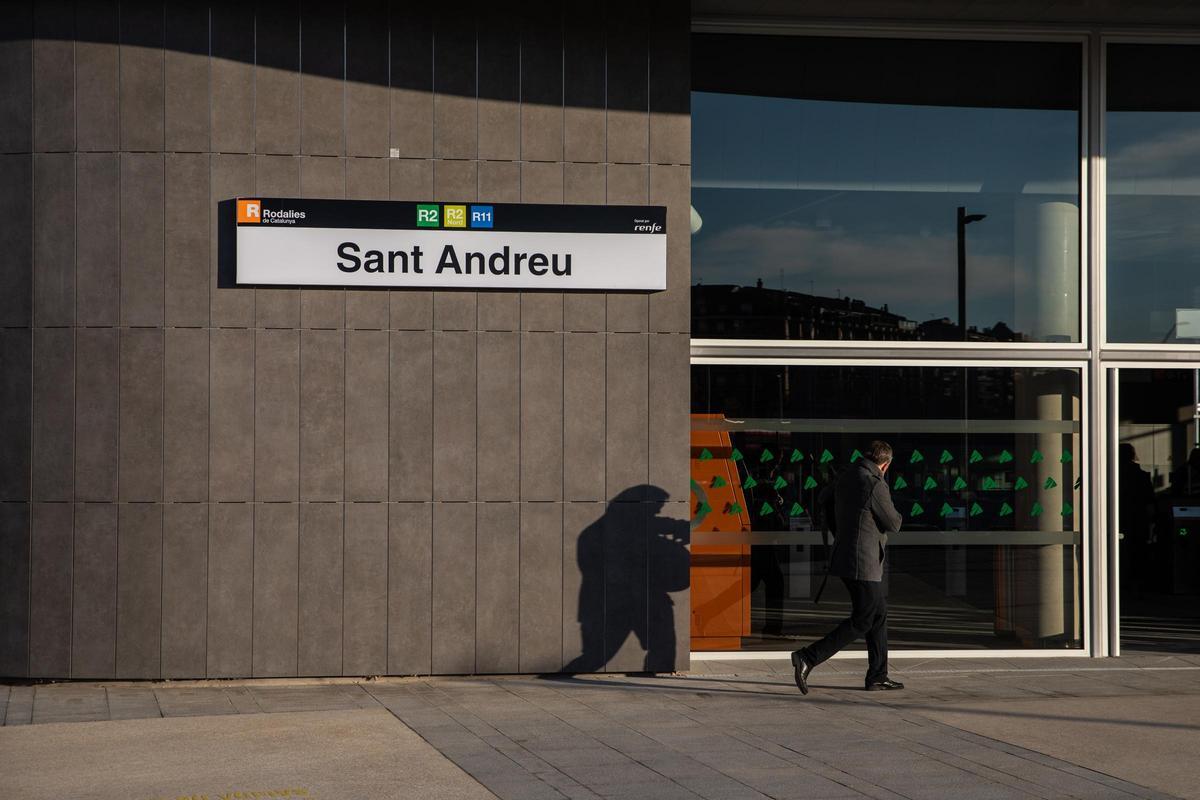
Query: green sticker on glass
[
  {"x": 946, "y": 511},
  {"x": 796, "y": 456},
  {"x": 750, "y": 482},
  {"x": 900, "y": 483},
  {"x": 810, "y": 482},
  {"x": 917, "y": 510},
  {"x": 736, "y": 509},
  {"x": 736, "y": 455},
  {"x": 1005, "y": 457},
  {"x": 930, "y": 484},
  {"x": 718, "y": 482},
  {"x": 766, "y": 456},
  {"x": 796, "y": 510},
  {"x": 976, "y": 457},
  {"x": 765, "y": 509},
  {"x": 1005, "y": 510},
  {"x": 959, "y": 484},
  {"x": 916, "y": 456},
  {"x": 1050, "y": 483},
  {"x": 826, "y": 456},
  {"x": 1065, "y": 457},
  {"x": 1037, "y": 457},
  {"x": 976, "y": 509},
  {"x": 945, "y": 458},
  {"x": 855, "y": 456},
  {"x": 1036, "y": 511},
  {"x": 988, "y": 483},
  {"x": 703, "y": 510},
  {"x": 1067, "y": 510},
  {"x": 779, "y": 483},
  {"x": 1021, "y": 483},
  {"x": 1183, "y": 531},
  {"x": 705, "y": 455}
]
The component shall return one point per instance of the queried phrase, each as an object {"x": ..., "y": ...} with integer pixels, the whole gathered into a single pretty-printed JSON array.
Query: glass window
[
  {"x": 1153, "y": 218},
  {"x": 880, "y": 189},
  {"x": 986, "y": 475}
]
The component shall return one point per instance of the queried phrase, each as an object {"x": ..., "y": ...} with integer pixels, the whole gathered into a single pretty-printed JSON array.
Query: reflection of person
[
  {"x": 766, "y": 567},
  {"x": 629, "y": 554},
  {"x": 1136, "y": 495},
  {"x": 864, "y": 517}
]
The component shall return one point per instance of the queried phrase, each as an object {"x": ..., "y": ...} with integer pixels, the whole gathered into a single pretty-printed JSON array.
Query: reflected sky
[
  {"x": 1153, "y": 217},
  {"x": 859, "y": 199}
]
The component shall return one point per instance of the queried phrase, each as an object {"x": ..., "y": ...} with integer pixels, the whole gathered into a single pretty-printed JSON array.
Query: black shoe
[
  {"x": 885, "y": 685},
  {"x": 800, "y": 670}
]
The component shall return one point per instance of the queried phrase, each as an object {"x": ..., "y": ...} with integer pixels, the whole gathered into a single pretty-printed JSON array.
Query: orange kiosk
[{"x": 720, "y": 572}]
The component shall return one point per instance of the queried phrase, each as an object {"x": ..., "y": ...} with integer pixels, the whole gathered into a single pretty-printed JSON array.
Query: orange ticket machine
[{"x": 720, "y": 572}]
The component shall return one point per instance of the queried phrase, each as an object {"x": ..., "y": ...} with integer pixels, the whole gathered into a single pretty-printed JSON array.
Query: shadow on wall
[{"x": 626, "y": 581}]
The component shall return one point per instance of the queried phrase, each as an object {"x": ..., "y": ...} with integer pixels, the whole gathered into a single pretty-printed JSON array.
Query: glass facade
[
  {"x": 1153, "y": 215},
  {"x": 987, "y": 476},
  {"x": 873, "y": 189},
  {"x": 888, "y": 190}
]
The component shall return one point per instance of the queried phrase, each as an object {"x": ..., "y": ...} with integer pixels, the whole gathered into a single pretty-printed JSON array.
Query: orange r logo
[{"x": 249, "y": 211}]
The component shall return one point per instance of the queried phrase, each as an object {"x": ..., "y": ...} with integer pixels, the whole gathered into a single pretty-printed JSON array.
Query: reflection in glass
[
  {"x": 826, "y": 195},
  {"x": 1153, "y": 216},
  {"x": 987, "y": 476}
]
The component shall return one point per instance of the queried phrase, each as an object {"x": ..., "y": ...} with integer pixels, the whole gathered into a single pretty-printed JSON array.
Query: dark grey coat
[{"x": 865, "y": 516}]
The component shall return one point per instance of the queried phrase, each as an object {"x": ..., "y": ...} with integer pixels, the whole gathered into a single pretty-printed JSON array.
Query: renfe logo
[
  {"x": 249, "y": 211},
  {"x": 427, "y": 216},
  {"x": 481, "y": 216}
]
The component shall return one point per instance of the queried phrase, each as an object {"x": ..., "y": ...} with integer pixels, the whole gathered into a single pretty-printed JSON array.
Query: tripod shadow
[{"x": 630, "y": 561}]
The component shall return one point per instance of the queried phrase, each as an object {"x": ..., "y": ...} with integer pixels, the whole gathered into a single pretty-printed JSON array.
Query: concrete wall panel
[
  {"x": 185, "y": 77},
  {"x": 97, "y": 421},
  {"x": 410, "y": 414},
  {"x": 322, "y": 82},
  {"x": 276, "y": 589},
  {"x": 231, "y": 416},
  {"x": 142, "y": 75},
  {"x": 541, "y": 416},
  {"x": 584, "y": 417},
  {"x": 16, "y": 413},
  {"x": 185, "y": 415},
  {"x": 54, "y": 239},
  {"x": 53, "y": 413},
  {"x": 50, "y": 585},
  {"x": 322, "y": 415},
  {"x": 94, "y": 592},
  {"x": 453, "y": 588},
  {"x": 410, "y": 588},
  {"x": 140, "y": 461},
  {"x": 320, "y": 589},
  {"x": 276, "y": 415},
  {"x": 98, "y": 76},
  {"x": 143, "y": 237},
  {"x": 541, "y": 598},
  {"x": 498, "y": 438},
  {"x": 54, "y": 76},
  {"x": 230, "y": 590},
  {"x": 498, "y": 614},
  {"x": 277, "y": 79},
  {"x": 366, "y": 434},
  {"x": 14, "y": 589},
  {"x": 187, "y": 224},
  {"x": 139, "y": 590},
  {"x": 16, "y": 239},
  {"x": 185, "y": 590},
  {"x": 98, "y": 243},
  {"x": 364, "y": 636},
  {"x": 454, "y": 415}
]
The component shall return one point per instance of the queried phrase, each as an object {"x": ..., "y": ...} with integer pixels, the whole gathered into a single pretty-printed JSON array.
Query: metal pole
[{"x": 962, "y": 271}]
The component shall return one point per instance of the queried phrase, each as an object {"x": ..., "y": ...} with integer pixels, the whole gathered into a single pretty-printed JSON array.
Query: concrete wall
[{"x": 202, "y": 481}]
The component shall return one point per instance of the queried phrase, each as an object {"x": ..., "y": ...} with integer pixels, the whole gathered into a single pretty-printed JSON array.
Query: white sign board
[{"x": 391, "y": 244}]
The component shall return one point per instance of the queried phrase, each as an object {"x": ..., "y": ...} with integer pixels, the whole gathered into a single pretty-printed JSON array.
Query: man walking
[{"x": 863, "y": 517}]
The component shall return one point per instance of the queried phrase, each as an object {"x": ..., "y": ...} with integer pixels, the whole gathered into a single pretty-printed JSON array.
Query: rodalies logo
[{"x": 249, "y": 211}]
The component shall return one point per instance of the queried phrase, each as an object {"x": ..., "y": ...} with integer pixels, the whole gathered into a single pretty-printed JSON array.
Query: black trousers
[{"x": 868, "y": 618}]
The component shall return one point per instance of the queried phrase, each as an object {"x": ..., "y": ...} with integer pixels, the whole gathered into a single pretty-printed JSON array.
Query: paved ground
[{"x": 1043, "y": 728}]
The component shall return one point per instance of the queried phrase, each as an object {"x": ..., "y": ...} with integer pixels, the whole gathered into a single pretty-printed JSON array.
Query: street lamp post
[{"x": 964, "y": 219}]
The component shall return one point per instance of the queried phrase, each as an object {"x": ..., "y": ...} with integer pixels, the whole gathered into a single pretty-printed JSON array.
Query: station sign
[{"x": 396, "y": 244}]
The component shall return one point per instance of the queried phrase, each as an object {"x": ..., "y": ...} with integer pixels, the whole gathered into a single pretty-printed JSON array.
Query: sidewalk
[{"x": 1044, "y": 728}]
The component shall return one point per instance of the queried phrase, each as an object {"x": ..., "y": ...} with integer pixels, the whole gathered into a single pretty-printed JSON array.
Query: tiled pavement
[{"x": 724, "y": 730}]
